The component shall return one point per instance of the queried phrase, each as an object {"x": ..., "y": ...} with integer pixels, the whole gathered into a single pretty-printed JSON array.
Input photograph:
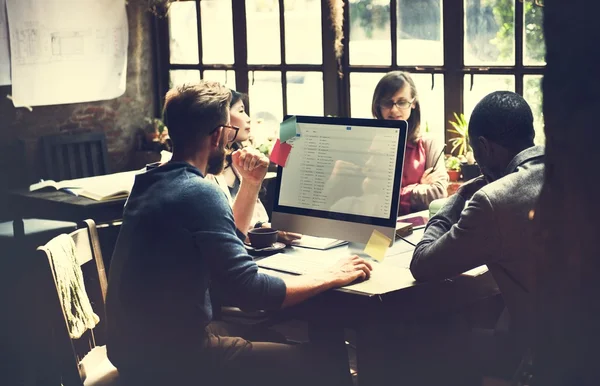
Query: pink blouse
[{"x": 414, "y": 167}]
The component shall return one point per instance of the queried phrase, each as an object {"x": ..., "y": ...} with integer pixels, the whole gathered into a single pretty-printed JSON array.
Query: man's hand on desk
[
  {"x": 348, "y": 269},
  {"x": 344, "y": 272}
]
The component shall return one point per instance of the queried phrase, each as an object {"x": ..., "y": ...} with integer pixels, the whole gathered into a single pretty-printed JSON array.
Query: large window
[{"x": 280, "y": 54}]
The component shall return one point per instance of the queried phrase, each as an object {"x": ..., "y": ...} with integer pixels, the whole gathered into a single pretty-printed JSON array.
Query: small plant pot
[
  {"x": 470, "y": 171},
  {"x": 454, "y": 175}
]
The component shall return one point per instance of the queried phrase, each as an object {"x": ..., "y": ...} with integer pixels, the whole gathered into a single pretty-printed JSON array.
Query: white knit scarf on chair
[{"x": 69, "y": 282}]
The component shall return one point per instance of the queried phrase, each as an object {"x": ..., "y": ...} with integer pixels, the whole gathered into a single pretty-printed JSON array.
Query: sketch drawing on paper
[
  {"x": 68, "y": 43},
  {"x": 66, "y": 51}
]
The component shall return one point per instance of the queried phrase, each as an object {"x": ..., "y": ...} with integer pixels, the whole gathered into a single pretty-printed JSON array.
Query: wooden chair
[
  {"x": 30, "y": 232},
  {"x": 69, "y": 156},
  {"x": 81, "y": 361}
]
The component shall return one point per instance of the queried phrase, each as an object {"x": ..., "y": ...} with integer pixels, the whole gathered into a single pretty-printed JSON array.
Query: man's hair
[
  {"x": 503, "y": 117},
  {"x": 192, "y": 111}
]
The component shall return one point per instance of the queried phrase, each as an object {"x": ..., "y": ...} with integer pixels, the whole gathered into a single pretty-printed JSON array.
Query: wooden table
[
  {"x": 59, "y": 205},
  {"x": 412, "y": 302}
]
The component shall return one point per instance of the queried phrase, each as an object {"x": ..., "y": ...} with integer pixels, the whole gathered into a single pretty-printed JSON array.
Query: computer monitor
[{"x": 342, "y": 178}]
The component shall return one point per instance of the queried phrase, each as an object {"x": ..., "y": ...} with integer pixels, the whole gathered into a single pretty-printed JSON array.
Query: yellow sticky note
[{"x": 378, "y": 245}]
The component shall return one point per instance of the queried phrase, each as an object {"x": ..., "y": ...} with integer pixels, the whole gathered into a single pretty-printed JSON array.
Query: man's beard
[{"x": 216, "y": 161}]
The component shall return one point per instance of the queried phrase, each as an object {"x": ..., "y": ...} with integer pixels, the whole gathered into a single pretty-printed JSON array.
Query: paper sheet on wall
[
  {"x": 4, "y": 53},
  {"x": 67, "y": 51}
]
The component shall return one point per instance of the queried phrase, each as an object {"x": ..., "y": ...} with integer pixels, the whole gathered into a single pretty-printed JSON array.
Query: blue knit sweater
[{"x": 178, "y": 235}]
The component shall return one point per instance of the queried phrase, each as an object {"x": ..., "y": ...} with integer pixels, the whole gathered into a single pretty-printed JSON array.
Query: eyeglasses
[
  {"x": 231, "y": 134},
  {"x": 402, "y": 105}
]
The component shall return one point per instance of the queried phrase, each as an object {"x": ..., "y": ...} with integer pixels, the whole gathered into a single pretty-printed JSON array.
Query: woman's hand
[
  {"x": 251, "y": 165},
  {"x": 288, "y": 237},
  {"x": 282, "y": 236},
  {"x": 427, "y": 177}
]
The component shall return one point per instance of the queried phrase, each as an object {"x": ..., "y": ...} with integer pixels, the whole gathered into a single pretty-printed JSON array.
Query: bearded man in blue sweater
[{"x": 178, "y": 236}]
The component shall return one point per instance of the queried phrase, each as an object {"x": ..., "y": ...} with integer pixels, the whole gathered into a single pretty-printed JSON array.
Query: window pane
[
  {"x": 266, "y": 103},
  {"x": 362, "y": 86},
  {"x": 370, "y": 32},
  {"x": 532, "y": 90},
  {"x": 262, "y": 18},
  {"x": 303, "y": 32},
  {"x": 179, "y": 77},
  {"x": 420, "y": 32},
  {"x": 305, "y": 93},
  {"x": 535, "y": 46},
  {"x": 226, "y": 78},
  {"x": 482, "y": 86},
  {"x": 217, "y": 32},
  {"x": 490, "y": 32},
  {"x": 432, "y": 104},
  {"x": 183, "y": 32}
]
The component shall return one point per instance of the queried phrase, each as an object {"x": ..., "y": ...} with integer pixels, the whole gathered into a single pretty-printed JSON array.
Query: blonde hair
[{"x": 194, "y": 110}]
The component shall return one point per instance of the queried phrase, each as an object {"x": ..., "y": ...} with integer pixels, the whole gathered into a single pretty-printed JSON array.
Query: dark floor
[{"x": 297, "y": 331}]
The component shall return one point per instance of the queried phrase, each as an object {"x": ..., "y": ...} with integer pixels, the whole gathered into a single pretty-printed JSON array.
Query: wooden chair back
[{"x": 70, "y": 156}]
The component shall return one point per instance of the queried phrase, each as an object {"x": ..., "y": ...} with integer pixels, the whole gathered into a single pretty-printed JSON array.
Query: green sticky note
[
  {"x": 288, "y": 129},
  {"x": 378, "y": 245}
]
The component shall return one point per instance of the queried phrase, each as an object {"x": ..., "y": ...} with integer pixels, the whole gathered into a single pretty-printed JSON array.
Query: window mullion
[
  {"x": 283, "y": 60},
  {"x": 394, "y": 31},
  {"x": 330, "y": 75},
  {"x": 240, "y": 45},
  {"x": 519, "y": 35},
  {"x": 344, "y": 82},
  {"x": 162, "y": 54},
  {"x": 199, "y": 27},
  {"x": 453, "y": 30}
]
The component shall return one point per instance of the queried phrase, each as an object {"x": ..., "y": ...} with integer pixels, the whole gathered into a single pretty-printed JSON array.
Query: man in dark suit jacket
[{"x": 488, "y": 221}]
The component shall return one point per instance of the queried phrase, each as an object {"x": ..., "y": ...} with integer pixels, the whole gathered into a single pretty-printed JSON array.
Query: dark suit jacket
[{"x": 494, "y": 228}]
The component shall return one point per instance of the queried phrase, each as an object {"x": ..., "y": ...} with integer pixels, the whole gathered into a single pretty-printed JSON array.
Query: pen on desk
[
  {"x": 70, "y": 191},
  {"x": 437, "y": 159}
]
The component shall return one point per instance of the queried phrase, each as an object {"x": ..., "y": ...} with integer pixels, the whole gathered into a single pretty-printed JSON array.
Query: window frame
[{"x": 336, "y": 90}]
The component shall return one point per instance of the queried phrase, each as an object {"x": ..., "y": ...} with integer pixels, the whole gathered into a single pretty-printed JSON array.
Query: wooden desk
[
  {"x": 413, "y": 302},
  {"x": 422, "y": 299},
  {"x": 59, "y": 205}
]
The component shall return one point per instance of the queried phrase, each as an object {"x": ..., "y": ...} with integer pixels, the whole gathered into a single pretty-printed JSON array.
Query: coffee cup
[{"x": 262, "y": 237}]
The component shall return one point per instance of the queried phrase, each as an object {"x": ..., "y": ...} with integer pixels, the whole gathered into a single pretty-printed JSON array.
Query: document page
[
  {"x": 67, "y": 51},
  {"x": 343, "y": 169}
]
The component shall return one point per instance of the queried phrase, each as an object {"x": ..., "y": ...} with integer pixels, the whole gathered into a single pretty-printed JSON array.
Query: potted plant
[
  {"x": 462, "y": 146},
  {"x": 453, "y": 168}
]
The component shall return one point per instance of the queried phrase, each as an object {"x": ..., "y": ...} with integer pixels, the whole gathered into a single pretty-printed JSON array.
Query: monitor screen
[{"x": 343, "y": 173}]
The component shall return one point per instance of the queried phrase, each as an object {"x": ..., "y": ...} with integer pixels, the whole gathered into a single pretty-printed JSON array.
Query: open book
[{"x": 98, "y": 188}]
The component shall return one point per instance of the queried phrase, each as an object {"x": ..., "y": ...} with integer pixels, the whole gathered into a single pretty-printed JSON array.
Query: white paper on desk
[
  {"x": 384, "y": 278},
  {"x": 67, "y": 51},
  {"x": 4, "y": 51},
  {"x": 477, "y": 271}
]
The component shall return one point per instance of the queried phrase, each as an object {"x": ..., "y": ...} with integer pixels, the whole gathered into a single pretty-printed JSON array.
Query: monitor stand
[{"x": 358, "y": 249}]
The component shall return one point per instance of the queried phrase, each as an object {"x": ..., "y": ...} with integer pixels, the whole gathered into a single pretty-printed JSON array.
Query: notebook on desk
[{"x": 320, "y": 243}]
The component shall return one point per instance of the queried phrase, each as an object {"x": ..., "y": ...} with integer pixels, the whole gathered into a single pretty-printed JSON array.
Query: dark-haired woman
[{"x": 396, "y": 97}]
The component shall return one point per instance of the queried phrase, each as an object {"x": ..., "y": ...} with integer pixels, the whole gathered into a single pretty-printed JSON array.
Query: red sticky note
[{"x": 280, "y": 153}]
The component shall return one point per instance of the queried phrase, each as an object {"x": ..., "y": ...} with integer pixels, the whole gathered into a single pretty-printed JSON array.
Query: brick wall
[{"x": 119, "y": 118}]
